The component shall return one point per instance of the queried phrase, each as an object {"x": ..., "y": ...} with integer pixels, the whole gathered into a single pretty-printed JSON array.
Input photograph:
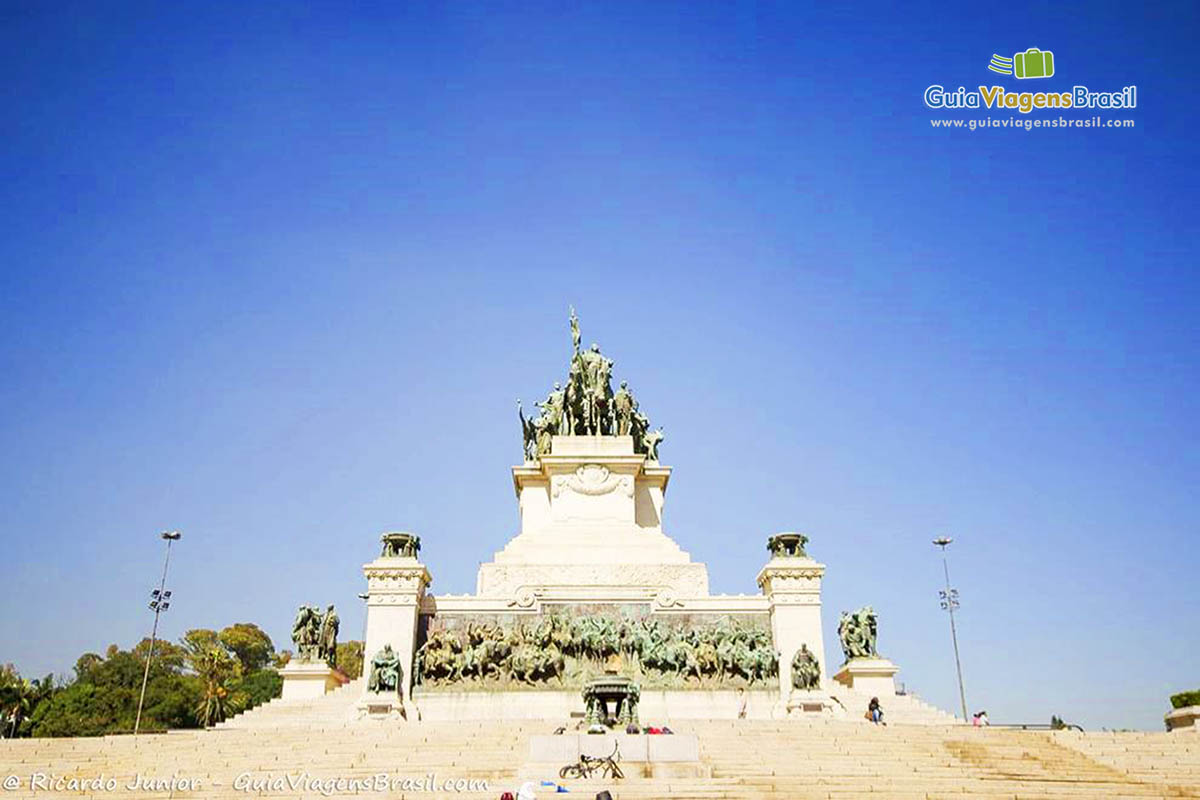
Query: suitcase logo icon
[{"x": 1033, "y": 63}]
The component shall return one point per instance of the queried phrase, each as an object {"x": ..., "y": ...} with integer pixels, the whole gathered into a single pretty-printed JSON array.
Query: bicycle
[{"x": 589, "y": 765}]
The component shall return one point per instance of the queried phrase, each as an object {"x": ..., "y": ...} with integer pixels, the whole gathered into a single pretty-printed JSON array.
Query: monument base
[
  {"x": 1184, "y": 719},
  {"x": 381, "y": 705},
  {"x": 873, "y": 676},
  {"x": 655, "y": 706},
  {"x": 809, "y": 702},
  {"x": 308, "y": 681}
]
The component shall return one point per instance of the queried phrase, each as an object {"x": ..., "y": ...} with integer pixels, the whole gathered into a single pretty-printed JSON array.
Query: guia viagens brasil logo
[{"x": 1026, "y": 65}]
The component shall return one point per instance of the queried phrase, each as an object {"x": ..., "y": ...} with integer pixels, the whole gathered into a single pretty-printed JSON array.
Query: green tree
[
  {"x": 84, "y": 709},
  {"x": 19, "y": 698},
  {"x": 85, "y": 664},
  {"x": 249, "y": 644},
  {"x": 30, "y": 696},
  {"x": 258, "y": 687},
  {"x": 171, "y": 701},
  {"x": 103, "y": 698},
  {"x": 218, "y": 672},
  {"x": 350, "y": 658},
  {"x": 201, "y": 680},
  {"x": 198, "y": 641},
  {"x": 167, "y": 655}
]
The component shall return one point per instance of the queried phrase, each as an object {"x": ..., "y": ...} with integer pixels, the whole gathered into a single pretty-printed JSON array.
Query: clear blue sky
[{"x": 276, "y": 274}]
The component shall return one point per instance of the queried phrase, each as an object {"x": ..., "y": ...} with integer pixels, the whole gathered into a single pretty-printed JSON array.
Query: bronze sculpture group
[
  {"x": 385, "y": 671},
  {"x": 857, "y": 632},
  {"x": 806, "y": 670},
  {"x": 315, "y": 635},
  {"x": 588, "y": 406},
  {"x": 565, "y": 650}
]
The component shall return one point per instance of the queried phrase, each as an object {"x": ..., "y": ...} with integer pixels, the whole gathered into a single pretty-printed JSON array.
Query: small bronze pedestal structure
[
  {"x": 787, "y": 545},
  {"x": 397, "y": 544},
  {"x": 622, "y": 692}
]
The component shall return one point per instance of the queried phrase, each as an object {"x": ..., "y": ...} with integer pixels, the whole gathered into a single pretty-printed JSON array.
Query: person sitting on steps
[{"x": 875, "y": 712}]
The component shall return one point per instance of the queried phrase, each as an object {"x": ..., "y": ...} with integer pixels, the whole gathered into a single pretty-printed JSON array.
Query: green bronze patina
[
  {"x": 806, "y": 670},
  {"x": 587, "y": 406},
  {"x": 623, "y": 693},
  {"x": 559, "y": 650},
  {"x": 398, "y": 544},
  {"x": 385, "y": 671},
  {"x": 315, "y": 635},
  {"x": 787, "y": 545},
  {"x": 857, "y": 632}
]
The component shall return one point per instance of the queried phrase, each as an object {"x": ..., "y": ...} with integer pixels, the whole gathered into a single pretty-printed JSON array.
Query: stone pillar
[
  {"x": 791, "y": 580},
  {"x": 396, "y": 584}
]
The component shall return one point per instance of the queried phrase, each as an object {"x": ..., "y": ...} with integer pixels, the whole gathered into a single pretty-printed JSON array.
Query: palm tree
[
  {"x": 26, "y": 695},
  {"x": 217, "y": 670}
]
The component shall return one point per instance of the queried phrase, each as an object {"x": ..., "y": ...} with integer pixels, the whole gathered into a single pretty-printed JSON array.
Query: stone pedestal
[
  {"x": 308, "y": 681},
  {"x": 591, "y": 530},
  {"x": 381, "y": 705},
  {"x": 873, "y": 676},
  {"x": 809, "y": 702},
  {"x": 1184, "y": 719},
  {"x": 395, "y": 587},
  {"x": 792, "y": 585}
]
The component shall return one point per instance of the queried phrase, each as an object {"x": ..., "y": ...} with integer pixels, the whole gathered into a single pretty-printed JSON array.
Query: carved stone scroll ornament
[{"x": 592, "y": 480}]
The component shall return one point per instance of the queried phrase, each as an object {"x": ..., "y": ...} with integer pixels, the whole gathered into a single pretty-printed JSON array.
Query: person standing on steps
[{"x": 743, "y": 701}]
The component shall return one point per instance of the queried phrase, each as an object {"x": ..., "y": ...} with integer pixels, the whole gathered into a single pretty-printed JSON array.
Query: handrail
[{"x": 1033, "y": 726}]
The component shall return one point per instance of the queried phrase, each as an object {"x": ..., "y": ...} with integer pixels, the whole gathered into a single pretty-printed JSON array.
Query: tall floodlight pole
[
  {"x": 949, "y": 602},
  {"x": 365, "y": 598},
  {"x": 160, "y": 601}
]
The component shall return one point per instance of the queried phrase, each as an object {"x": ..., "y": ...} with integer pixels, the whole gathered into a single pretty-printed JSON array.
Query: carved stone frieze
[{"x": 592, "y": 480}]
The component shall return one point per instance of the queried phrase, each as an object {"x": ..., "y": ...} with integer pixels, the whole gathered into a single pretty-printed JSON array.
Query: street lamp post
[
  {"x": 365, "y": 598},
  {"x": 949, "y": 602},
  {"x": 160, "y": 601}
]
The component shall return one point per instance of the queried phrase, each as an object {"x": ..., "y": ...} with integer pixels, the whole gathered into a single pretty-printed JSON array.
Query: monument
[
  {"x": 312, "y": 671},
  {"x": 864, "y": 668},
  {"x": 591, "y": 591}
]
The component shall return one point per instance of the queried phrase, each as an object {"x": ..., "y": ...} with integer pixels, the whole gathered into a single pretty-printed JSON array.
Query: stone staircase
[
  {"x": 257, "y": 754},
  {"x": 335, "y": 708},
  {"x": 902, "y": 709}
]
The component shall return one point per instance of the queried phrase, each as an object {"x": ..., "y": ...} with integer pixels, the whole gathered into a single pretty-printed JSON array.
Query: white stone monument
[
  {"x": 591, "y": 515},
  {"x": 791, "y": 581},
  {"x": 591, "y": 494},
  {"x": 396, "y": 584}
]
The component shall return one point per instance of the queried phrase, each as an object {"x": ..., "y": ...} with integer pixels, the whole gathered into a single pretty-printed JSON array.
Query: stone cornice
[
  {"x": 551, "y": 465},
  {"x": 395, "y": 576},
  {"x": 791, "y": 576}
]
